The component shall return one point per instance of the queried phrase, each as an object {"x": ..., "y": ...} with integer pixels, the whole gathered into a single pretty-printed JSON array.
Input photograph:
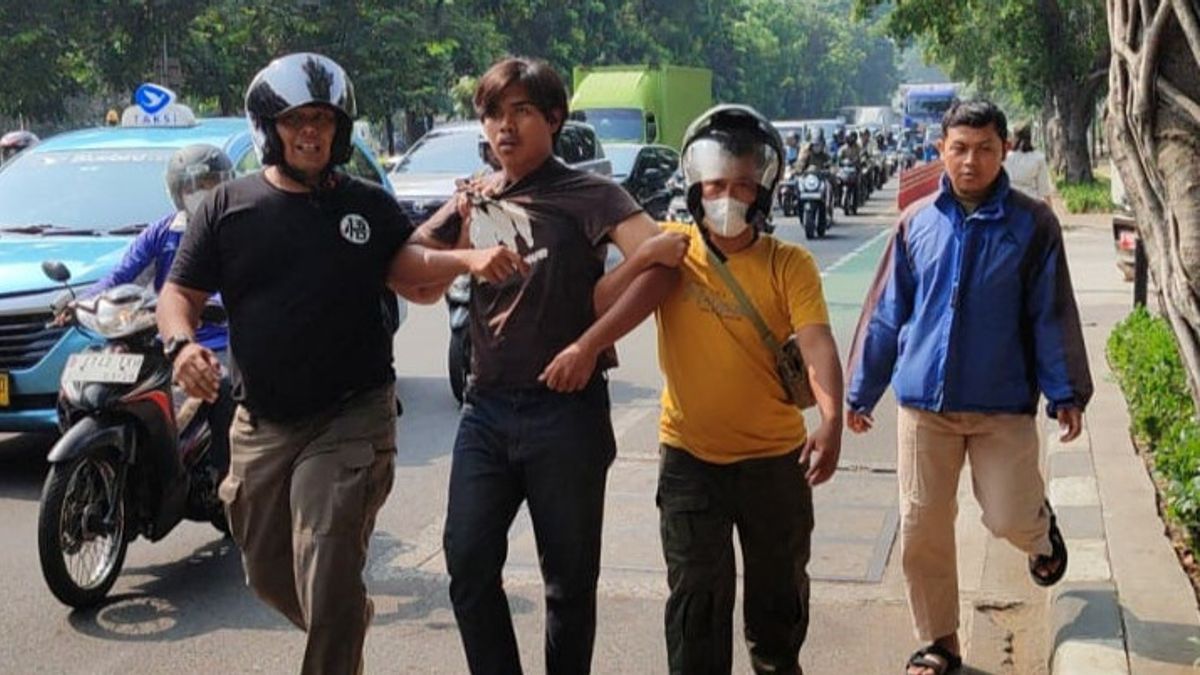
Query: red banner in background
[{"x": 917, "y": 182}]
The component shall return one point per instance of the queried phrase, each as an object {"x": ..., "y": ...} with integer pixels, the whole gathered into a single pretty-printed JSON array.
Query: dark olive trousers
[{"x": 700, "y": 503}]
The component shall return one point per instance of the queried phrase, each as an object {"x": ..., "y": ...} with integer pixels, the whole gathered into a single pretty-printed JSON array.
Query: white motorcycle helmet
[
  {"x": 293, "y": 81},
  {"x": 715, "y": 138}
]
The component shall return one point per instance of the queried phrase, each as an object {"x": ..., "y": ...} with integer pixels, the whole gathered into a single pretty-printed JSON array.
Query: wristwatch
[{"x": 175, "y": 344}]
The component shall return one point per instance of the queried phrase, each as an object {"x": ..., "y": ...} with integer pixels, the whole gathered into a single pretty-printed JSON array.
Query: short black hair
[
  {"x": 977, "y": 114},
  {"x": 542, "y": 83}
]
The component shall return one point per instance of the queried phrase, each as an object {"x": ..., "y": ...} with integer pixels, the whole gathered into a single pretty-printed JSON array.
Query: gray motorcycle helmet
[
  {"x": 293, "y": 81},
  {"x": 195, "y": 168},
  {"x": 707, "y": 144}
]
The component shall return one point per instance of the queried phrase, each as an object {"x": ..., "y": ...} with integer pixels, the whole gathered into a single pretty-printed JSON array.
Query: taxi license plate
[
  {"x": 115, "y": 368},
  {"x": 4, "y": 398}
]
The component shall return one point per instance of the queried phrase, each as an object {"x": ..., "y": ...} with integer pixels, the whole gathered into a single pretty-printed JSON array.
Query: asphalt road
[{"x": 181, "y": 606}]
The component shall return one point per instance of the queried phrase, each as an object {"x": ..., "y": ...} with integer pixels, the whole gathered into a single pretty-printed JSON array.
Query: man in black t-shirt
[
  {"x": 301, "y": 254},
  {"x": 535, "y": 424}
]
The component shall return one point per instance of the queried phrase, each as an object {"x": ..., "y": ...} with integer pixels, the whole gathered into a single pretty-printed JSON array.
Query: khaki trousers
[
  {"x": 1007, "y": 482},
  {"x": 301, "y": 499}
]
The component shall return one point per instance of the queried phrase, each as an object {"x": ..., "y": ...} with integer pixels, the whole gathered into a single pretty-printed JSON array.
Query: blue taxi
[{"x": 81, "y": 197}]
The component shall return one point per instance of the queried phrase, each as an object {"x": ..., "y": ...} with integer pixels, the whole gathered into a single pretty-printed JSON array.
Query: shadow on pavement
[
  {"x": 200, "y": 594},
  {"x": 23, "y": 465},
  {"x": 419, "y": 595}
]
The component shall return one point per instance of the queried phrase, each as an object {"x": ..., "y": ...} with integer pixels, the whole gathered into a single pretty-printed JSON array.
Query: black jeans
[
  {"x": 552, "y": 450},
  {"x": 699, "y": 504}
]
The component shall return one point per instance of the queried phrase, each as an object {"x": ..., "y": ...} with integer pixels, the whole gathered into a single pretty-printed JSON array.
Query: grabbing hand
[
  {"x": 570, "y": 370},
  {"x": 198, "y": 372},
  {"x": 665, "y": 248},
  {"x": 495, "y": 264}
]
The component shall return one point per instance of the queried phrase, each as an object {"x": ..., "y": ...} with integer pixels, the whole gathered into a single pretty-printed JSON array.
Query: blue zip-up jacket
[
  {"x": 148, "y": 260},
  {"x": 972, "y": 313}
]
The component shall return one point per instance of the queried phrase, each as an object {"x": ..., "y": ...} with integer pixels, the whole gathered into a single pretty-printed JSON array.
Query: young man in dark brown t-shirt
[{"x": 535, "y": 425}]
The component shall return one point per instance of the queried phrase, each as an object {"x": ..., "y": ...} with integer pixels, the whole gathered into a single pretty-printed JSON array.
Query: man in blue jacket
[{"x": 970, "y": 318}]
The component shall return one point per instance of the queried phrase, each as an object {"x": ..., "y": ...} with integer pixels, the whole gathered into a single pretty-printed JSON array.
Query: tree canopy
[
  {"x": 1049, "y": 55},
  {"x": 789, "y": 58}
]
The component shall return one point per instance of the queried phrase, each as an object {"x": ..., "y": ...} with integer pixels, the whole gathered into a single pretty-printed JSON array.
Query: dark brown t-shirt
[{"x": 559, "y": 219}]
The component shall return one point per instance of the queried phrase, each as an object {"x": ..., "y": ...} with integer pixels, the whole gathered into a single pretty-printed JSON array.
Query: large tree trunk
[
  {"x": 1154, "y": 127},
  {"x": 1075, "y": 105}
]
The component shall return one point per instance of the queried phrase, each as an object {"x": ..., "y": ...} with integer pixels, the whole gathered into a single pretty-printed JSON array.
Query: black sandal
[
  {"x": 1058, "y": 554},
  {"x": 948, "y": 663}
]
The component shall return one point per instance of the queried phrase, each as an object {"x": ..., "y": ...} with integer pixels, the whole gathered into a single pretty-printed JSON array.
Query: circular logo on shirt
[{"x": 355, "y": 229}]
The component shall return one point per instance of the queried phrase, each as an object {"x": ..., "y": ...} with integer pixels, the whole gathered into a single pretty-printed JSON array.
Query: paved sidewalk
[{"x": 1125, "y": 606}]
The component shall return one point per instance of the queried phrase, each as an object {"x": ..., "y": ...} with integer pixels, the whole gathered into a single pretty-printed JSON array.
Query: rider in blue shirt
[{"x": 192, "y": 173}]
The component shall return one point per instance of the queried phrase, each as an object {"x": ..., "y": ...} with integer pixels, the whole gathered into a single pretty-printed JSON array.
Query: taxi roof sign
[{"x": 155, "y": 106}]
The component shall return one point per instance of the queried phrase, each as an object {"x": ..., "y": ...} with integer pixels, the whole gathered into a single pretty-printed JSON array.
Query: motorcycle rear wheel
[{"x": 80, "y": 560}]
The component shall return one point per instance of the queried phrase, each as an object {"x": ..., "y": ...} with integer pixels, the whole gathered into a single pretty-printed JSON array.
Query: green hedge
[
  {"x": 1143, "y": 354},
  {"x": 1092, "y": 197}
]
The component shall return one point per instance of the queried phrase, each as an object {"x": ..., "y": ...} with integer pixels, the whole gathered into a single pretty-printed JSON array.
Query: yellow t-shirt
[{"x": 723, "y": 400}]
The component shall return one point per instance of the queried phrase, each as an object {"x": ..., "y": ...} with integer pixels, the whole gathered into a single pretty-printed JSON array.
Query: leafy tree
[{"x": 1049, "y": 54}]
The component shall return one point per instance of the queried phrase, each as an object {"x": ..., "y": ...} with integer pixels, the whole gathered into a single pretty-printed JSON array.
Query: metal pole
[{"x": 1140, "y": 269}]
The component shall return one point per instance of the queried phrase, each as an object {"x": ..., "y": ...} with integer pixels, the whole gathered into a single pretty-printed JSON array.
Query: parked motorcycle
[
  {"x": 815, "y": 203},
  {"x": 126, "y": 464}
]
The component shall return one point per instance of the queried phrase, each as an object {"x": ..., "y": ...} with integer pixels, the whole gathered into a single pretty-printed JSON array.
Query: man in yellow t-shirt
[{"x": 735, "y": 451}]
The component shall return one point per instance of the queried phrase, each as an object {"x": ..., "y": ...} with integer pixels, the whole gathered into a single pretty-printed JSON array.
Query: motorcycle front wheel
[
  {"x": 81, "y": 554},
  {"x": 810, "y": 222}
]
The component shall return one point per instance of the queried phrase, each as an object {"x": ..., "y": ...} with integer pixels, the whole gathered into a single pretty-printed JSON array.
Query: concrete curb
[
  {"x": 1126, "y": 606},
  {"x": 1084, "y": 616}
]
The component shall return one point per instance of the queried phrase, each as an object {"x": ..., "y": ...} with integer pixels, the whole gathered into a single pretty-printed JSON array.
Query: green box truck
[{"x": 641, "y": 104}]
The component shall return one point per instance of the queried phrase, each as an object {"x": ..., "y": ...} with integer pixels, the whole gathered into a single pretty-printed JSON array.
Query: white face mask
[
  {"x": 193, "y": 200},
  {"x": 726, "y": 217}
]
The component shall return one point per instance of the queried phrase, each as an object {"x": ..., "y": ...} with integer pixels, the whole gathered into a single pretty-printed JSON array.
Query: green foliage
[
  {"x": 789, "y": 58},
  {"x": 1019, "y": 47},
  {"x": 1092, "y": 196},
  {"x": 1143, "y": 354}
]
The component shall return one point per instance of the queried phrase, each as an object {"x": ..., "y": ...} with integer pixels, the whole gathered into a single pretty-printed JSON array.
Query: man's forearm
[
  {"x": 824, "y": 372},
  {"x": 177, "y": 313},
  {"x": 415, "y": 266},
  {"x": 643, "y": 294},
  {"x": 614, "y": 284}
]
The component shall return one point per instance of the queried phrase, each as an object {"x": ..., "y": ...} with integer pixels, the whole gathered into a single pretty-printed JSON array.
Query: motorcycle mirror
[
  {"x": 214, "y": 313},
  {"x": 56, "y": 270}
]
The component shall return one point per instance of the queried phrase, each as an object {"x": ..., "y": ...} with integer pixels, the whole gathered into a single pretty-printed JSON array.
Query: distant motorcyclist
[
  {"x": 14, "y": 142},
  {"x": 791, "y": 150},
  {"x": 850, "y": 151},
  {"x": 814, "y": 155},
  {"x": 865, "y": 145}
]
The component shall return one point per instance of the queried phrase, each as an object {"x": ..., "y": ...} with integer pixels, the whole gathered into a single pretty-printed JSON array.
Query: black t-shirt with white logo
[
  {"x": 303, "y": 279},
  {"x": 559, "y": 219}
]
